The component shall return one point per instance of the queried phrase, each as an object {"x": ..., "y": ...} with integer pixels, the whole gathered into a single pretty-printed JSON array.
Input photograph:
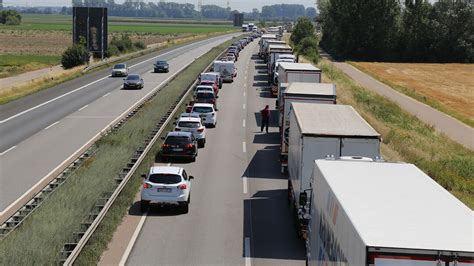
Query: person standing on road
[{"x": 265, "y": 118}]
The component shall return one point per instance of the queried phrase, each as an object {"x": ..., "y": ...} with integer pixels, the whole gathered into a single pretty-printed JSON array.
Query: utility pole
[
  {"x": 228, "y": 5},
  {"x": 200, "y": 6}
]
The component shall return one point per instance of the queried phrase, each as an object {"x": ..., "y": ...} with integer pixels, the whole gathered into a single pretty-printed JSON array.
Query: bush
[
  {"x": 75, "y": 56},
  {"x": 12, "y": 20},
  {"x": 139, "y": 45},
  {"x": 10, "y": 17},
  {"x": 112, "y": 50},
  {"x": 308, "y": 47},
  {"x": 123, "y": 44}
]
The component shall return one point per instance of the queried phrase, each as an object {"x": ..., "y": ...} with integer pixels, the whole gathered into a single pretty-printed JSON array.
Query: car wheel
[
  {"x": 144, "y": 206},
  {"x": 185, "y": 207}
]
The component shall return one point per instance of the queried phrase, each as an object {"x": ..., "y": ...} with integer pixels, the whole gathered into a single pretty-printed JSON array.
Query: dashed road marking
[
  {"x": 245, "y": 184},
  {"x": 83, "y": 107},
  {"x": 105, "y": 95},
  {"x": 243, "y": 106},
  {"x": 4, "y": 152},
  {"x": 57, "y": 122},
  {"x": 243, "y": 123},
  {"x": 244, "y": 147},
  {"x": 248, "y": 261}
]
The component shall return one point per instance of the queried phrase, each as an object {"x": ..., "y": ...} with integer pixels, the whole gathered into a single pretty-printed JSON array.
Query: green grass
[
  {"x": 447, "y": 162},
  {"x": 119, "y": 24},
  {"x": 42, "y": 235},
  {"x": 11, "y": 64}
]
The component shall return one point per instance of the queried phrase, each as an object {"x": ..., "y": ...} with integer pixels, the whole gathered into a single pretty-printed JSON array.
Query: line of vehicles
[
  {"x": 350, "y": 206},
  {"x": 170, "y": 185},
  {"x": 135, "y": 81}
]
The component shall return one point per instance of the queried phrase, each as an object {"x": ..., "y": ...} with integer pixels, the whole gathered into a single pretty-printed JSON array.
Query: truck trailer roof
[
  {"x": 299, "y": 67},
  {"x": 311, "y": 88},
  {"x": 331, "y": 120},
  {"x": 396, "y": 205}
]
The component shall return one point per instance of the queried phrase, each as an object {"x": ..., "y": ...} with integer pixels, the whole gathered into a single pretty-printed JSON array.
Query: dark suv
[
  {"x": 179, "y": 144},
  {"x": 161, "y": 66}
]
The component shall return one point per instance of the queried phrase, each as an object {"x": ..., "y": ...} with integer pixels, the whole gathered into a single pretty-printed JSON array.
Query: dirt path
[
  {"x": 29, "y": 76},
  {"x": 442, "y": 122}
]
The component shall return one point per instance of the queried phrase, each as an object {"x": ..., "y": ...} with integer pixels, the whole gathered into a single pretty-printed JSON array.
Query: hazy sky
[{"x": 241, "y": 5}]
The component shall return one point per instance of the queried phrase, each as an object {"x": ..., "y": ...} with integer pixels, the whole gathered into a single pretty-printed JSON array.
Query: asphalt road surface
[
  {"x": 238, "y": 213},
  {"x": 40, "y": 131}
]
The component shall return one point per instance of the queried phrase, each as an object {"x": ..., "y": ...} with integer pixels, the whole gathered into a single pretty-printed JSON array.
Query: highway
[
  {"x": 39, "y": 132},
  {"x": 239, "y": 213}
]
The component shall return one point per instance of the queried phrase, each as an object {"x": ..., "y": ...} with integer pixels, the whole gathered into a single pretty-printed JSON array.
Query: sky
[{"x": 241, "y": 5}]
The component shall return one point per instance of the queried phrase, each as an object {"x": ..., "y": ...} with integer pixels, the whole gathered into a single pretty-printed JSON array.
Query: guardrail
[
  {"x": 12, "y": 217},
  {"x": 71, "y": 251}
]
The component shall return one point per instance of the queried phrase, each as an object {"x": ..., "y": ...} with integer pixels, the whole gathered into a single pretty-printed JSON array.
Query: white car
[
  {"x": 203, "y": 88},
  {"x": 166, "y": 185},
  {"x": 193, "y": 125},
  {"x": 120, "y": 70},
  {"x": 207, "y": 113}
]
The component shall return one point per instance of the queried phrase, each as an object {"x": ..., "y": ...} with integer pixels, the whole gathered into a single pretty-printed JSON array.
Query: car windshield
[
  {"x": 177, "y": 140},
  {"x": 208, "y": 77},
  {"x": 202, "y": 109},
  {"x": 161, "y": 63},
  {"x": 164, "y": 179},
  {"x": 119, "y": 66},
  {"x": 133, "y": 77},
  {"x": 200, "y": 95},
  {"x": 188, "y": 124}
]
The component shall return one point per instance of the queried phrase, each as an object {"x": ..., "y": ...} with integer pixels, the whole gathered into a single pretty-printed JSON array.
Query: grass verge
[
  {"x": 42, "y": 235},
  {"x": 13, "y": 93},
  {"x": 419, "y": 97},
  {"x": 406, "y": 138},
  {"x": 13, "y": 64}
]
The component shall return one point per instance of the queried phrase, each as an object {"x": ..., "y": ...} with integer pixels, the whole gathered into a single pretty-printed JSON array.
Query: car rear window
[
  {"x": 202, "y": 109},
  {"x": 188, "y": 124},
  {"x": 133, "y": 77},
  {"x": 165, "y": 178},
  {"x": 201, "y": 95},
  {"x": 177, "y": 140},
  {"x": 119, "y": 66}
]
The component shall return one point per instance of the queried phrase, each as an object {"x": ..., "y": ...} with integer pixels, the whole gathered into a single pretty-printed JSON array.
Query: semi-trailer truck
[
  {"x": 384, "y": 214},
  {"x": 296, "y": 72},
  {"x": 263, "y": 42},
  {"x": 300, "y": 92},
  {"x": 321, "y": 130}
]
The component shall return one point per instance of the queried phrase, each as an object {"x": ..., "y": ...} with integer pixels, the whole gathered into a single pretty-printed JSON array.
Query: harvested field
[{"x": 446, "y": 87}]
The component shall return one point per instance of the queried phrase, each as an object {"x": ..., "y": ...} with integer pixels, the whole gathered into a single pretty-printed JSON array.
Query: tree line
[
  {"x": 414, "y": 31},
  {"x": 139, "y": 8}
]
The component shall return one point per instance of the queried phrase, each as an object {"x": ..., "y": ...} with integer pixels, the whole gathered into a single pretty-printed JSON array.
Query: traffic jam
[{"x": 171, "y": 185}]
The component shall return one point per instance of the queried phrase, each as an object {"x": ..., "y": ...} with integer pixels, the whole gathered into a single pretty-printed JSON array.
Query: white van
[{"x": 227, "y": 70}]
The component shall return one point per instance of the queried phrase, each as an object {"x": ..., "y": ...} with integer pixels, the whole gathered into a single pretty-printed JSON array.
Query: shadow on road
[
  {"x": 272, "y": 238},
  {"x": 155, "y": 210},
  {"x": 273, "y": 118},
  {"x": 265, "y": 163}
]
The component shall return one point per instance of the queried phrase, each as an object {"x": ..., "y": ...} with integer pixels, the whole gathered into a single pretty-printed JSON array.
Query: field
[
  {"x": 406, "y": 138},
  {"x": 50, "y": 35},
  {"x": 14, "y": 63},
  {"x": 446, "y": 87}
]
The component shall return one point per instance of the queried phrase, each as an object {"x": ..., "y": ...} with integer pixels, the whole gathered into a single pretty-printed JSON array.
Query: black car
[
  {"x": 161, "y": 66},
  {"x": 133, "y": 81},
  {"x": 180, "y": 144}
]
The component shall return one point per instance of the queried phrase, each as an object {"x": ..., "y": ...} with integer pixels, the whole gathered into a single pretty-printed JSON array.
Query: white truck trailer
[
  {"x": 267, "y": 45},
  {"x": 321, "y": 130},
  {"x": 274, "y": 51},
  {"x": 263, "y": 42},
  {"x": 301, "y": 92},
  {"x": 296, "y": 72},
  {"x": 384, "y": 214}
]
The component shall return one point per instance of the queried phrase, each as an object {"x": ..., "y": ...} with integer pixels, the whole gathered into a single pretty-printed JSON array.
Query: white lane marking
[
  {"x": 245, "y": 185},
  {"x": 248, "y": 261},
  {"x": 168, "y": 164},
  {"x": 244, "y": 147},
  {"x": 83, "y": 146},
  {"x": 48, "y": 127},
  {"x": 105, "y": 95},
  {"x": 243, "y": 106},
  {"x": 243, "y": 123},
  {"x": 88, "y": 84},
  {"x": 11, "y": 148},
  {"x": 244, "y": 91},
  {"x": 134, "y": 238},
  {"x": 83, "y": 107}
]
